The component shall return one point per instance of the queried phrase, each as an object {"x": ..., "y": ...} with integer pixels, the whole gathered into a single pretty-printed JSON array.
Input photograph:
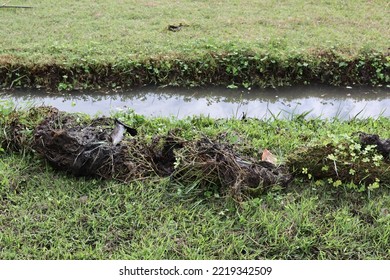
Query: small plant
[{"x": 340, "y": 160}]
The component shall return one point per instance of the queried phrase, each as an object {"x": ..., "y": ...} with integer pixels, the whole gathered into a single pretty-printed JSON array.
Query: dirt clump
[
  {"x": 361, "y": 161},
  {"x": 87, "y": 149},
  {"x": 205, "y": 164},
  {"x": 382, "y": 145},
  {"x": 18, "y": 125}
]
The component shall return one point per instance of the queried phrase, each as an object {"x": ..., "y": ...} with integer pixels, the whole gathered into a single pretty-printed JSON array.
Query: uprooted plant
[
  {"x": 85, "y": 149},
  {"x": 200, "y": 166}
]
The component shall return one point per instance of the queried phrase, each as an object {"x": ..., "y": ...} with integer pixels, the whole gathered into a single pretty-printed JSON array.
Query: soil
[{"x": 86, "y": 148}]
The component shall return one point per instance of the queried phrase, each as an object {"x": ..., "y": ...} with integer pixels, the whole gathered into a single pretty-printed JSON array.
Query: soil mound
[
  {"x": 102, "y": 147},
  {"x": 87, "y": 150},
  {"x": 212, "y": 164}
]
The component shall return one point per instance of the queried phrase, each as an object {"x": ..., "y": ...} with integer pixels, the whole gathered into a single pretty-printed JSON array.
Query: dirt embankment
[{"x": 235, "y": 68}]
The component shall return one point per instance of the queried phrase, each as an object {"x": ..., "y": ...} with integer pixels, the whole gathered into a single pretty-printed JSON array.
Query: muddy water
[{"x": 319, "y": 101}]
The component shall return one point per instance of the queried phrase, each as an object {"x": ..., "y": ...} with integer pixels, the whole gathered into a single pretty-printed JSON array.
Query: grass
[
  {"x": 52, "y": 216},
  {"x": 46, "y": 214},
  {"x": 126, "y": 29},
  {"x": 78, "y": 39}
]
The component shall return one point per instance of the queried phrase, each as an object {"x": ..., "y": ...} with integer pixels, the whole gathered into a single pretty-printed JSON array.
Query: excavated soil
[{"x": 85, "y": 148}]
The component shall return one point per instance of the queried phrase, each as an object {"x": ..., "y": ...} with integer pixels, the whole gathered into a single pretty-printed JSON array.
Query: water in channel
[{"x": 217, "y": 102}]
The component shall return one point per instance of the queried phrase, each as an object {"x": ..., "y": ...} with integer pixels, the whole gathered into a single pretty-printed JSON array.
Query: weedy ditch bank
[
  {"x": 84, "y": 147},
  {"x": 232, "y": 68}
]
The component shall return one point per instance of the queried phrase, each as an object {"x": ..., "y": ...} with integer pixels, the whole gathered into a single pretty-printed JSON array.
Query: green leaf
[{"x": 232, "y": 86}]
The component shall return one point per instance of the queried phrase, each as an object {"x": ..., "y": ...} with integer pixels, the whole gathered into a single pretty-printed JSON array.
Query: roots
[
  {"x": 85, "y": 148},
  {"x": 209, "y": 164}
]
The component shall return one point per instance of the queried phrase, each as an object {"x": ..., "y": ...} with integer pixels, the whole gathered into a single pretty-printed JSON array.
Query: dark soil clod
[
  {"x": 382, "y": 146},
  {"x": 348, "y": 167},
  {"x": 87, "y": 149},
  {"x": 211, "y": 163}
]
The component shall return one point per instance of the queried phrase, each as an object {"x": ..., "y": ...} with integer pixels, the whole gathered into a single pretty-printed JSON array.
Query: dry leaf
[{"x": 268, "y": 156}]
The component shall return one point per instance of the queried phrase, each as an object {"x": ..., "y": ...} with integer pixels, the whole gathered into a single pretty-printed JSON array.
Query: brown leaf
[{"x": 268, "y": 156}]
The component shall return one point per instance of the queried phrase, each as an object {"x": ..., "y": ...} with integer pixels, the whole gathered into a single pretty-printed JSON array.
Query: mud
[
  {"x": 85, "y": 148},
  {"x": 208, "y": 163},
  {"x": 349, "y": 164},
  {"x": 382, "y": 145}
]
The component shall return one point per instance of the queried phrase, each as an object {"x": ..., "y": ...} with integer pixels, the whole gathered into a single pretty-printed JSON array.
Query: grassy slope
[
  {"x": 117, "y": 32},
  {"x": 49, "y": 215}
]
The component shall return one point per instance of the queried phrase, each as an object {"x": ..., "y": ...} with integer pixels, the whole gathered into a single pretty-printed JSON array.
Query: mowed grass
[
  {"x": 115, "y": 30},
  {"x": 46, "y": 214}
]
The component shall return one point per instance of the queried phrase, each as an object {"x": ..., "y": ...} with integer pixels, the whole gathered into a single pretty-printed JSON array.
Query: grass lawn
[
  {"x": 46, "y": 214},
  {"x": 112, "y": 30},
  {"x": 123, "y": 36}
]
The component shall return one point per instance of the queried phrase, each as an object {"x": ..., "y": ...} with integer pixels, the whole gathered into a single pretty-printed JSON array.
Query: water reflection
[{"x": 321, "y": 101}]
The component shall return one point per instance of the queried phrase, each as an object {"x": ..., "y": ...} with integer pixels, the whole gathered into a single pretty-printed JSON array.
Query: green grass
[
  {"x": 80, "y": 44},
  {"x": 52, "y": 216},
  {"x": 47, "y": 214},
  {"x": 113, "y": 30}
]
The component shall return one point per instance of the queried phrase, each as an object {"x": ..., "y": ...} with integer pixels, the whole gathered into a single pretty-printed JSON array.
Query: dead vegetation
[
  {"x": 206, "y": 163},
  {"x": 85, "y": 148}
]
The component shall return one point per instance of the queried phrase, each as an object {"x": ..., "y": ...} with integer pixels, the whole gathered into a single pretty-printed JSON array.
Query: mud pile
[
  {"x": 18, "y": 125},
  {"x": 362, "y": 161},
  {"x": 88, "y": 148},
  {"x": 206, "y": 164}
]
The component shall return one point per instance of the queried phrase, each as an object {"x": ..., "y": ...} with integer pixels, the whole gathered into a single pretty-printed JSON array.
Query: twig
[{"x": 15, "y": 7}]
